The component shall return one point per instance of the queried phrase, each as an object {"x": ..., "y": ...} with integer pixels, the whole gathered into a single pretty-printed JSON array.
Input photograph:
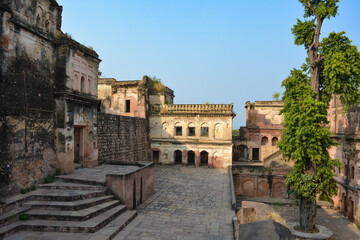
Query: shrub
[
  {"x": 24, "y": 217},
  {"x": 49, "y": 179},
  {"x": 57, "y": 172}
]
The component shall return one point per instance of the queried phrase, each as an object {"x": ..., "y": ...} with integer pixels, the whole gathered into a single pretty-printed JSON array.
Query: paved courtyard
[
  {"x": 342, "y": 227},
  {"x": 188, "y": 203}
]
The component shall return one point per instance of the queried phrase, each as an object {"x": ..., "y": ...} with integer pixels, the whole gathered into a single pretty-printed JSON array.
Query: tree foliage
[{"x": 331, "y": 68}]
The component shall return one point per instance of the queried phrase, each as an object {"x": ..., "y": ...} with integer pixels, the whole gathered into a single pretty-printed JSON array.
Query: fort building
[
  {"x": 48, "y": 118},
  {"x": 258, "y": 167},
  {"x": 192, "y": 134},
  {"x": 189, "y": 134},
  {"x": 346, "y": 131}
]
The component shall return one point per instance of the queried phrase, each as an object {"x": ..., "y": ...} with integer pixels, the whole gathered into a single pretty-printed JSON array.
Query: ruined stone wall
[
  {"x": 115, "y": 94},
  {"x": 27, "y": 32},
  {"x": 341, "y": 122},
  {"x": 252, "y": 181},
  {"x": 123, "y": 138}
]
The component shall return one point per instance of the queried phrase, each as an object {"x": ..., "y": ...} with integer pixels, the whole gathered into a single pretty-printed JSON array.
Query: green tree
[{"x": 332, "y": 67}]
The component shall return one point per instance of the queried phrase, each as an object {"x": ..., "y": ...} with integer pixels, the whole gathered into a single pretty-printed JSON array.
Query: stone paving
[
  {"x": 188, "y": 203},
  {"x": 334, "y": 220},
  {"x": 98, "y": 174}
]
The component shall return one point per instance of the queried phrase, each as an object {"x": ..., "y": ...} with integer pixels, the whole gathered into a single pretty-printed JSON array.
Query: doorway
[
  {"x": 191, "y": 158},
  {"x": 204, "y": 156},
  {"x": 78, "y": 144},
  {"x": 178, "y": 157},
  {"x": 156, "y": 156}
]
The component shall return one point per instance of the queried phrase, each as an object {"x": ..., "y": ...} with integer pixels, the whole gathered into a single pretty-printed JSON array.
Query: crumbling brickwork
[
  {"x": 27, "y": 31},
  {"x": 48, "y": 90},
  {"x": 123, "y": 138}
]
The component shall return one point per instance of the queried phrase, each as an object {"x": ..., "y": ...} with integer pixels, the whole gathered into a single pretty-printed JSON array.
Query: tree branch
[{"x": 319, "y": 59}]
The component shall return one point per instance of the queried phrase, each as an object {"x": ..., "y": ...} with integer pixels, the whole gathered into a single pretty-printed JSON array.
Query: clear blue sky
[{"x": 215, "y": 51}]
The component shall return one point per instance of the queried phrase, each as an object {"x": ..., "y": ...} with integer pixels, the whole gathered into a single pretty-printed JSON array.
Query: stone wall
[
  {"x": 123, "y": 138},
  {"x": 27, "y": 32}
]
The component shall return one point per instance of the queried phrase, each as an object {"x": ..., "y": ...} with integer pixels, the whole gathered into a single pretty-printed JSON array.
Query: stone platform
[{"x": 84, "y": 205}]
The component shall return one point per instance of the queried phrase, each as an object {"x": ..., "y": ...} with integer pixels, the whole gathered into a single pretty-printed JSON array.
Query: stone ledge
[{"x": 323, "y": 234}]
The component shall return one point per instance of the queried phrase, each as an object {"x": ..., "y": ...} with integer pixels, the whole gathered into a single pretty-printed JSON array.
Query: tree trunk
[
  {"x": 314, "y": 60},
  {"x": 307, "y": 215}
]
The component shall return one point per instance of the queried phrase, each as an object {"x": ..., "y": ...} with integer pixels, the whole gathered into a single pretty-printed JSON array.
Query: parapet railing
[{"x": 195, "y": 108}]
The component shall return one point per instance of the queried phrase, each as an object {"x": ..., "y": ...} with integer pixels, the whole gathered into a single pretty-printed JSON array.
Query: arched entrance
[
  {"x": 350, "y": 210},
  {"x": 204, "y": 158},
  {"x": 191, "y": 158},
  {"x": 343, "y": 203},
  {"x": 178, "y": 157}
]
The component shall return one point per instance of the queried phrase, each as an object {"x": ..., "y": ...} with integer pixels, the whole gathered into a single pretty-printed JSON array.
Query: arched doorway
[
  {"x": 343, "y": 203},
  {"x": 191, "y": 158},
  {"x": 178, "y": 157},
  {"x": 350, "y": 210},
  {"x": 204, "y": 158}
]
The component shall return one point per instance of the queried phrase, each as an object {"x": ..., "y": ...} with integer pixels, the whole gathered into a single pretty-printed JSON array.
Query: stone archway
[
  {"x": 177, "y": 157},
  {"x": 263, "y": 189},
  {"x": 350, "y": 209},
  {"x": 191, "y": 158},
  {"x": 248, "y": 188},
  {"x": 204, "y": 158},
  {"x": 343, "y": 203},
  {"x": 279, "y": 190}
]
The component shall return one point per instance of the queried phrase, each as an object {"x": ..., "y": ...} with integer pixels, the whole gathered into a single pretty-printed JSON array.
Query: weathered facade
[
  {"x": 76, "y": 105},
  {"x": 192, "y": 134},
  {"x": 346, "y": 130},
  {"x": 126, "y": 98},
  {"x": 257, "y": 141},
  {"x": 258, "y": 168},
  {"x": 42, "y": 102}
]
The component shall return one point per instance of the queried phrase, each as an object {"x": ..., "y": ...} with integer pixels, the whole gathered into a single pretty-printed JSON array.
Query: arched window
[
  {"x": 352, "y": 171},
  {"x": 83, "y": 85},
  {"x": 204, "y": 131},
  {"x": 191, "y": 130},
  {"x": 178, "y": 129},
  {"x": 89, "y": 86},
  {"x": 264, "y": 141},
  {"x": 274, "y": 140}
]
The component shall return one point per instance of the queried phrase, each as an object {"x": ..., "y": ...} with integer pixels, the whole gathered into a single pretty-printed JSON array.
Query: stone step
[
  {"x": 91, "y": 225},
  {"x": 65, "y": 195},
  {"x": 71, "y": 186},
  {"x": 12, "y": 216},
  {"x": 108, "y": 232},
  {"x": 69, "y": 179},
  {"x": 81, "y": 215},
  {"x": 114, "y": 227},
  {"x": 10, "y": 229},
  {"x": 70, "y": 206}
]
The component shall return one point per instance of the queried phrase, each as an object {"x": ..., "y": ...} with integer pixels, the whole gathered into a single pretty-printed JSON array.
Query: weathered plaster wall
[
  {"x": 28, "y": 30},
  {"x": 123, "y": 138},
  {"x": 76, "y": 105},
  {"x": 257, "y": 182},
  {"x": 217, "y": 144},
  {"x": 114, "y": 94},
  {"x": 138, "y": 184}
]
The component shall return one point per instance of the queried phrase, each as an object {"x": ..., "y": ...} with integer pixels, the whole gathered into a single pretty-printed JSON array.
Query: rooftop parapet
[{"x": 194, "y": 109}]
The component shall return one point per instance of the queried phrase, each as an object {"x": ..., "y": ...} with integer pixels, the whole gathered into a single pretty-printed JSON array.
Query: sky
[{"x": 207, "y": 51}]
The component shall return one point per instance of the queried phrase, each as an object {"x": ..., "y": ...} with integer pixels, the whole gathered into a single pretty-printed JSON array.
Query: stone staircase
[{"x": 83, "y": 210}]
